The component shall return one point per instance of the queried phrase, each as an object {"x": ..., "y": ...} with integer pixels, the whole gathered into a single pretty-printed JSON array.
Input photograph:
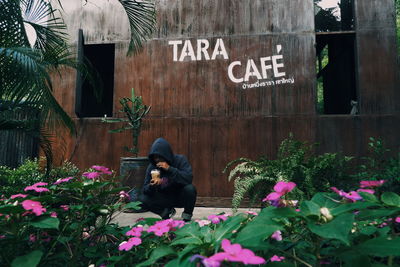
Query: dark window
[
  {"x": 92, "y": 102},
  {"x": 335, "y": 47}
]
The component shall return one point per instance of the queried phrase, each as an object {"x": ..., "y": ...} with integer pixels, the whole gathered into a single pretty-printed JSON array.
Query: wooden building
[{"x": 232, "y": 78}]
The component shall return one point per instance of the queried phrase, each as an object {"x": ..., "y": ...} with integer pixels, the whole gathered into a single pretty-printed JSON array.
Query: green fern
[{"x": 295, "y": 162}]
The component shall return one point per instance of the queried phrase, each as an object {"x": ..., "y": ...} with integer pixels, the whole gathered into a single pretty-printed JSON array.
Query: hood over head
[{"x": 162, "y": 148}]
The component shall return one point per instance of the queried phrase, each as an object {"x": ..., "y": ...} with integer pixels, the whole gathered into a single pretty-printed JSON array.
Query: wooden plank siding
[{"x": 212, "y": 120}]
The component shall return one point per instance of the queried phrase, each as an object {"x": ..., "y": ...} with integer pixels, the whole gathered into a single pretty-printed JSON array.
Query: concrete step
[{"x": 128, "y": 219}]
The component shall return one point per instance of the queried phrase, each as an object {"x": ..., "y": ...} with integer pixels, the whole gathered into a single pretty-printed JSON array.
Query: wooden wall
[{"x": 209, "y": 118}]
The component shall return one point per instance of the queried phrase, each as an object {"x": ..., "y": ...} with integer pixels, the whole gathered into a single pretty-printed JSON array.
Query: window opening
[
  {"x": 91, "y": 102},
  {"x": 336, "y": 88},
  {"x": 335, "y": 59}
]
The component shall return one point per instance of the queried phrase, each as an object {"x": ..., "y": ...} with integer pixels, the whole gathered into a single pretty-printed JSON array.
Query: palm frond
[
  {"x": 142, "y": 19},
  {"x": 47, "y": 23}
]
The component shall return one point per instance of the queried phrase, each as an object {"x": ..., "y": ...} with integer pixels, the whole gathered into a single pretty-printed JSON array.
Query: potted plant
[{"x": 132, "y": 169}]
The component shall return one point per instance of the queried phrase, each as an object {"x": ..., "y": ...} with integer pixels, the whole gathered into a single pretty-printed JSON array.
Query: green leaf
[
  {"x": 187, "y": 241},
  {"x": 368, "y": 197},
  {"x": 358, "y": 260},
  {"x": 309, "y": 208},
  {"x": 189, "y": 230},
  {"x": 173, "y": 263},
  {"x": 380, "y": 247},
  {"x": 47, "y": 223},
  {"x": 375, "y": 214},
  {"x": 271, "y": 214},
  {"x": 391, "y": 199},
  {"x": 133, "y": 205},
  {"x": 325, "y": 200},
  {"x": 339, "y": 228},
  {"x": 11, "y": 209},
  {"x": 254, "y": 234},
  {"x": 157, "y": 254},
  {"x": 31, "y": 259},
  {"x": 350, "y": 207},
  {"x": 226, "y": 228},
  {"x": 369, "y": 230}
]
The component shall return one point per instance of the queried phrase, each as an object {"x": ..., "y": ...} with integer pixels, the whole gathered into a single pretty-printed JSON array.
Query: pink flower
[
  {"x": 101, "y": 169},
  {"x": 64, "y": 180},
  {"x": 160, "y": 227},
  {"x": 32, "y": 238},
  {"x": 364, "y": 184},
  {"x": 34, "y": 206},
  {"x": 135, "y": 231},
  {"x": 207, "y": 262},
  {"x": 18, "y": 195},
  {"x": 36, "y": 187},
  {"x": 277, "y": 235},
  {"x": 64, "y": 207},
  {"x": 127, "y": 245},
  {"x": 123, "y": 194},
  {"x": 40, "y": 184},
  {"x": 281, "y": 188},
  {"x": 353, "y": 195},
  {"x": 369, "y": 191},
  {"x": 53, "y": 214},
  {"x": 203, "y": 222},
  {"x": 397, "y": 220},
  {"x": 177, "y": 224},
  {"x": 277, "y": 258},
  {"x": 2, "y": 236},
  {"x": 235, "y": 253},
  {"x": 215, "y": 219},
  {"x": 91, "y": 175},
  {"x": 251, "y": 212}
]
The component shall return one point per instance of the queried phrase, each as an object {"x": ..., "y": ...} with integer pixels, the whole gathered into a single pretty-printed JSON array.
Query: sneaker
[
  {"x": 168, "y": 213},
  {"x": 186, "y": 217}
]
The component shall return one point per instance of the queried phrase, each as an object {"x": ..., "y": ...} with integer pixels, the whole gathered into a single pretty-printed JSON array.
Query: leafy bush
[
  {"x": 65, "y": 223},
  {"x": 13, "y": 181},
  {"x": 295, "y": 162},
  {"x": 380, "y": 166},
  {"x": 69, "y": 223}
]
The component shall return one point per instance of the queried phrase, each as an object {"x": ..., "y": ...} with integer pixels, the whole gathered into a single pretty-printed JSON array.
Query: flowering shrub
[
  {"x": 71, "y": 224},
  {"x": 67, "y": 222}
]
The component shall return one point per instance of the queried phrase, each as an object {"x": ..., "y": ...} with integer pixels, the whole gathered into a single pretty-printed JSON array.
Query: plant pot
[{"x": 133, "y": 171}]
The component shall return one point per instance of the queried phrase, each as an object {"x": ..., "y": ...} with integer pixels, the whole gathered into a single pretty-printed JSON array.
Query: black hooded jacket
[{"x": 179, "y": 172}]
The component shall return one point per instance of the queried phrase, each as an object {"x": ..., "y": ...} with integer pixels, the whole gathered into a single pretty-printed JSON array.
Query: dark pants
[{"x": 180, "y": 197}]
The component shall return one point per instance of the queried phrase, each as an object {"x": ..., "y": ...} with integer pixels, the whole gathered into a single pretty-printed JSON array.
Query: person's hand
[
  {"x": 163, "y": 165},
  {"x": 155, "y": 181}
]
